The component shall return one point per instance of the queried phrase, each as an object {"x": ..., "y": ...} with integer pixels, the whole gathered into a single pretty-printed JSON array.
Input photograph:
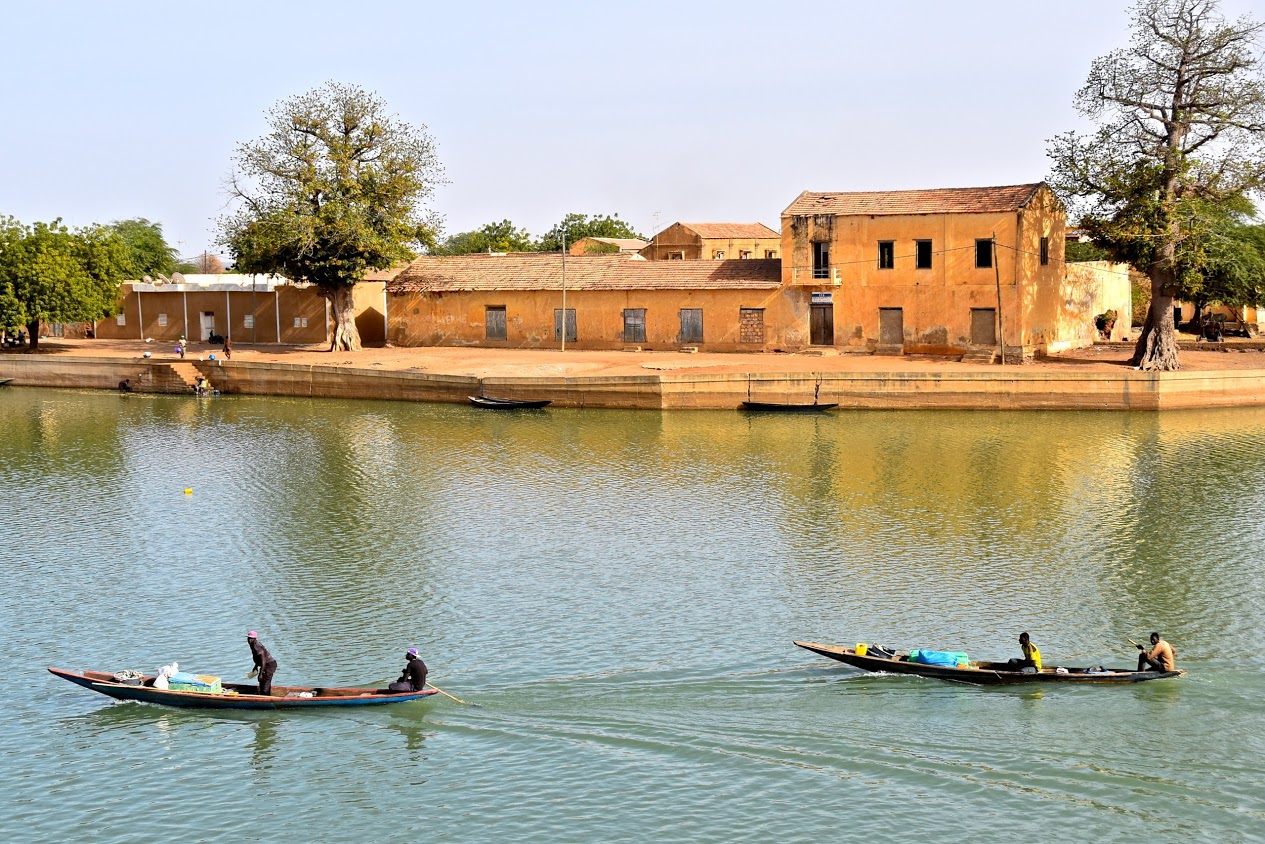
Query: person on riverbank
[
  {"x": 228, "y": 349},
  {"x": 1031, "y": 655},
  {"x": 413, "y": 678},
  {"x": 265, "y": 664},
  {"x": 1159, "y": 658},
  {"x": 182, "y": 346}
]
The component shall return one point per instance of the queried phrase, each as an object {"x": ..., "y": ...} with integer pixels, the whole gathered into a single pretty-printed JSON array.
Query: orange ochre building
[{"x": 921, "y": 271}]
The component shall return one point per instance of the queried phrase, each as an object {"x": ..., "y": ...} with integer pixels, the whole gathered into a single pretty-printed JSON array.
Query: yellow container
[{"x": 861, "y": 649}]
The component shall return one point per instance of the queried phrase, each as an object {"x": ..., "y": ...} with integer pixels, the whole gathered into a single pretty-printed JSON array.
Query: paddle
[{"x": 457, "y": 699}]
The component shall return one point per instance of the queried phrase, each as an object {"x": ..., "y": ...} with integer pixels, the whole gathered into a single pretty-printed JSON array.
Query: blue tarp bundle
[{"x": 948, "y": 659}]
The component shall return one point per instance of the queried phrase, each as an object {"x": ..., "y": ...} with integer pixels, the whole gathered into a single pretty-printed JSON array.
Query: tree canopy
[
  {"x": 49, "y": 273},
  {"x": 147, "y": 248},
  {"x": 576, "y": 226},
  {"x": 335, "y": 189},
  {"x": 492, "y": 237},
  {"x": 1179, "y": 148}
]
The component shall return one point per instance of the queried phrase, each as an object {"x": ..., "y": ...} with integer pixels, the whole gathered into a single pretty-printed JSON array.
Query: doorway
[
  {"x": 821, "y": 325},
  {"x": 208, "y": 325},
  {"x": 891, "y": 326},
  {"x": 983, "y": 326}
]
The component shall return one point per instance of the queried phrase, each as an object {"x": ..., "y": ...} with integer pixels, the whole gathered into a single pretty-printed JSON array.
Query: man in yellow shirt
[
  {"x": 1159, "y": 658},
  {"x": 1031, "y": 655}
]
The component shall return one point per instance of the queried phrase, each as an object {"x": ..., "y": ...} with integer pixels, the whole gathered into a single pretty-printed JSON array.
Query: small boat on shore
[
  {"x": 786, "y": 407},
  {"x": 4, "y": 381},
  {"x": 507, "y": 404},
  {"x": 235, "y": 695},
  {"x": 985, "y": 673}
]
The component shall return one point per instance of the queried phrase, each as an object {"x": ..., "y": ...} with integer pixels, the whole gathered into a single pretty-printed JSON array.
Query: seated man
[
  {"x": 1031, "y": 659},
  {"x": 1159, "y": 658},
  {"x": 413, "y": 678}
]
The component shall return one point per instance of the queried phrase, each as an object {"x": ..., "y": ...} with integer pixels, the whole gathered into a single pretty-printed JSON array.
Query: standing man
[
  {"x": 265, "y": 665},
  {"x": 413, "y": 678},
  {"x": 1159, "y": 658}
]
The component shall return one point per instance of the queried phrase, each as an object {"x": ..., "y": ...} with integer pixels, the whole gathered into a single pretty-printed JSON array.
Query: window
[
  {"x": 634, "y": 325},
  {"x": 162, "y": 319},
  {"x": 751, "y": 325},
  {"x": 248, "y": 321},
  {"x": 494, "y": 322},
  {"x": 300, "y": 322},
  {"x": 821, "y": 260},
  {"x": 557, "y": 324},
  {"x": 1045, "y": 251},
  {"x": 122, "y": 319},
  {"x": 744, "y": 254},
  {"x": 676, "y": 256},
  {"x": 983, "y": 253},
  {"x": 886, "y": 254},
  {"x": 770, "y": 253},
  {"x": 719, "y": 255},
  {"x": 691, "y": 325},
  {"x": 924, "y": 254}
]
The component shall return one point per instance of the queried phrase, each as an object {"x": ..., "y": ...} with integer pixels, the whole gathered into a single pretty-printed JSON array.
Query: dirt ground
[{"x": 484, "y": 363}]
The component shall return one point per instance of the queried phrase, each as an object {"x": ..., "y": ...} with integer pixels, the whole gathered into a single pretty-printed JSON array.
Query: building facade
[
  {"x": 938, "y": 271},
  {"x": 611, "y": 302},
  {"x": 714, "y": 242}
]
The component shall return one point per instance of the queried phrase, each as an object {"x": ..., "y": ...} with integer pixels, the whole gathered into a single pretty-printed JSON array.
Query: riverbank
[{"x": 1098, "y": 378}]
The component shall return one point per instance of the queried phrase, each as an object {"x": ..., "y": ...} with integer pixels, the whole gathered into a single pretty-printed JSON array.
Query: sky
[{"x": 656, "y": 111}]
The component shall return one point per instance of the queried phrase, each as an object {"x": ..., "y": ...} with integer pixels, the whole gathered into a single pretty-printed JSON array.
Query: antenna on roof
[{"x": 177, "y": 278}]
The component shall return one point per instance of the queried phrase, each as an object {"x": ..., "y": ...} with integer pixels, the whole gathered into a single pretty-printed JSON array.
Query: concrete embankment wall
[{"x": 992, "y": 388}]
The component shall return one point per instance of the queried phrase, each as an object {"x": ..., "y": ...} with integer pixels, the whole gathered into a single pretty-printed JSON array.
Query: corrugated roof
[
  {"x": 535, "y": 271},
  {"x": 935, "y": 201},
  {"x": 732, "y": 231}
]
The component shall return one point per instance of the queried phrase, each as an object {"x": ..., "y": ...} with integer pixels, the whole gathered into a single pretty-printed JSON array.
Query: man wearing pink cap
[{"x": 265, "y": 665}]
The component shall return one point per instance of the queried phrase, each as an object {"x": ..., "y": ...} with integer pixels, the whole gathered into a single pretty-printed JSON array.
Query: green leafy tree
[
  {"x": 1180, "y": 143},
  {"x": 576, "y": 226},
  {"x": 493, "y": 237},
  {"x": 150, "y": 254},
  {"x": 50, "y": 274},
  {"x": 333, "y": 190}
]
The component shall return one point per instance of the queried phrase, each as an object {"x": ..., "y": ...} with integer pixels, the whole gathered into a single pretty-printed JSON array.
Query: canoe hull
[
  {"x": 508, "y": 404},
  {"x": 246, "y": 697},
  {"x": 983, "y": 673},
  {"x": 777, "y": 407}
]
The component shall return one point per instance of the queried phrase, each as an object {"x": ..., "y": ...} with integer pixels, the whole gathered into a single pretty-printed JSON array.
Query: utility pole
[
  {"x": 1001, "y": 326},
  {"x": 563, "y": 329}
]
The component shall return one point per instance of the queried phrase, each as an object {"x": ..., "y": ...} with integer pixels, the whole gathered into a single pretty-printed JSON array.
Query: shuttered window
[
  {"x": 494, "y": 321},
  {"x": 634, "y": 325}
]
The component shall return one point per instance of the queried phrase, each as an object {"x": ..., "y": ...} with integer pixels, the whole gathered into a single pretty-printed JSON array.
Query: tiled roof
[
  {"x": 627, "y": 244},
  {"x": 387, "y": 274},
  {"x": 536, "y": 271},
  {"x": 732, "y": 231},
  {"x": 936, "y": 201}
]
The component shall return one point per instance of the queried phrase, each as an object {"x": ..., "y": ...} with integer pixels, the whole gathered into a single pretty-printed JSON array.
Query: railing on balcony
[{"x": 815, "y": 275}]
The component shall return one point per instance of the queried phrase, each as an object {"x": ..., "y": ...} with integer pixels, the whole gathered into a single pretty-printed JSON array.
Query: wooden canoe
[
  {"x": 984, "y": 673},
  {"x": 236, "y": 695},
  {"x": 776, "y": 407},
  {"x": 4, "y": 381},
  {"x": 507, "y": 404}
]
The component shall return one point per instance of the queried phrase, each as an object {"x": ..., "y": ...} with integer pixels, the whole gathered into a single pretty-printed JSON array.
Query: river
[{"x": 618, "y": 591}]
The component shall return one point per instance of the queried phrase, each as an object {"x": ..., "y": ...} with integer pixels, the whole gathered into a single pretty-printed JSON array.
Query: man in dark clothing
[
  {"x": 413, "y": 678},
  {"x": 265, "y": 665}
]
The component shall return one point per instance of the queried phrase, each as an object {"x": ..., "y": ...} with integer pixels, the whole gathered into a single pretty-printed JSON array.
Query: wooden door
[
  {"x": 821, "y": 325},
  {"x": 891, "y": 326},
  {"x": 983, "y": 326}
]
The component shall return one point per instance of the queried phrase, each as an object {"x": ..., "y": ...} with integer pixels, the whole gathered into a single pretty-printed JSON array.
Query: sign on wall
[{"x": 825, "y": 298}]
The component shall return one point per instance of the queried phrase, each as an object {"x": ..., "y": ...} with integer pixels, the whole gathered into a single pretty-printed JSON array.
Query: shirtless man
[{"x": 1158, "y": 658}]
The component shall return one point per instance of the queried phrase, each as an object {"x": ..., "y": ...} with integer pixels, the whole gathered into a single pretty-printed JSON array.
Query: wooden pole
[{"x": 1001, "y": 326}]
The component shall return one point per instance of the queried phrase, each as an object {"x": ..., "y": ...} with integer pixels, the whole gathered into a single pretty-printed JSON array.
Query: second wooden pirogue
[{"x": 984, "y": 673}]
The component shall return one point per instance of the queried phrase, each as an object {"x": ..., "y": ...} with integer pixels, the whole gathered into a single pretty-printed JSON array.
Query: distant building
[
  {"x": 942, "y": 271},
  {"x": 612, "y": 302},
  {"x": 714, "y": 242},
  {"x": 606, "y": 245}
]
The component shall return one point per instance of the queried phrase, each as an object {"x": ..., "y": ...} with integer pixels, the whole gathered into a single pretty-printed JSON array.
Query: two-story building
[
  {"x": 940, "y": 271},
  {"x": 714, "y": 242}
]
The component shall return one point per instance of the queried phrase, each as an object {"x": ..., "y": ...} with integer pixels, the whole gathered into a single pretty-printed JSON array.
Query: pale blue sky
[{"x": 719, "y": 111}]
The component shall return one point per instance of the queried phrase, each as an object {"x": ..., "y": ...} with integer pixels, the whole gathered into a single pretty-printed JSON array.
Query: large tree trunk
[
  {"x": 33, "y": 334},
  {"x": 346, "y": 337},
  {"x": 1157, "y": 346}
]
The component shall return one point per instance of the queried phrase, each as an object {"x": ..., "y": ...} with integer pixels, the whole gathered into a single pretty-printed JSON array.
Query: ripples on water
[{"x": 619, "y": 591}]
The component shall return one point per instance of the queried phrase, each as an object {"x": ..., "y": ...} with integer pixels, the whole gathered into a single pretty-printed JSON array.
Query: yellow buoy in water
[{"x": 188, "y": 491}]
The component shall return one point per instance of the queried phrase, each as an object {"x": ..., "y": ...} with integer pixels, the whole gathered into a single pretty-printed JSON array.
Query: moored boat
[
  {"x": 236, "y": 695},
  {"x": 787, "y": 407},
  {"x": 985, "y": 673},
  {"x": 508, "y": 404}
]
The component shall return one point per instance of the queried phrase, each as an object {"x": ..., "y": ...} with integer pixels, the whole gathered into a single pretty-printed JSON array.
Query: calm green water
[{"x": 619, "y": 592}]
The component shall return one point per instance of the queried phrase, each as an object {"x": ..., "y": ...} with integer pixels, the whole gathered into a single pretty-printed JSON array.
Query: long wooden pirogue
[
  {"x": 237, "y": 695},
  {"x": 985, "y": 673}
]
